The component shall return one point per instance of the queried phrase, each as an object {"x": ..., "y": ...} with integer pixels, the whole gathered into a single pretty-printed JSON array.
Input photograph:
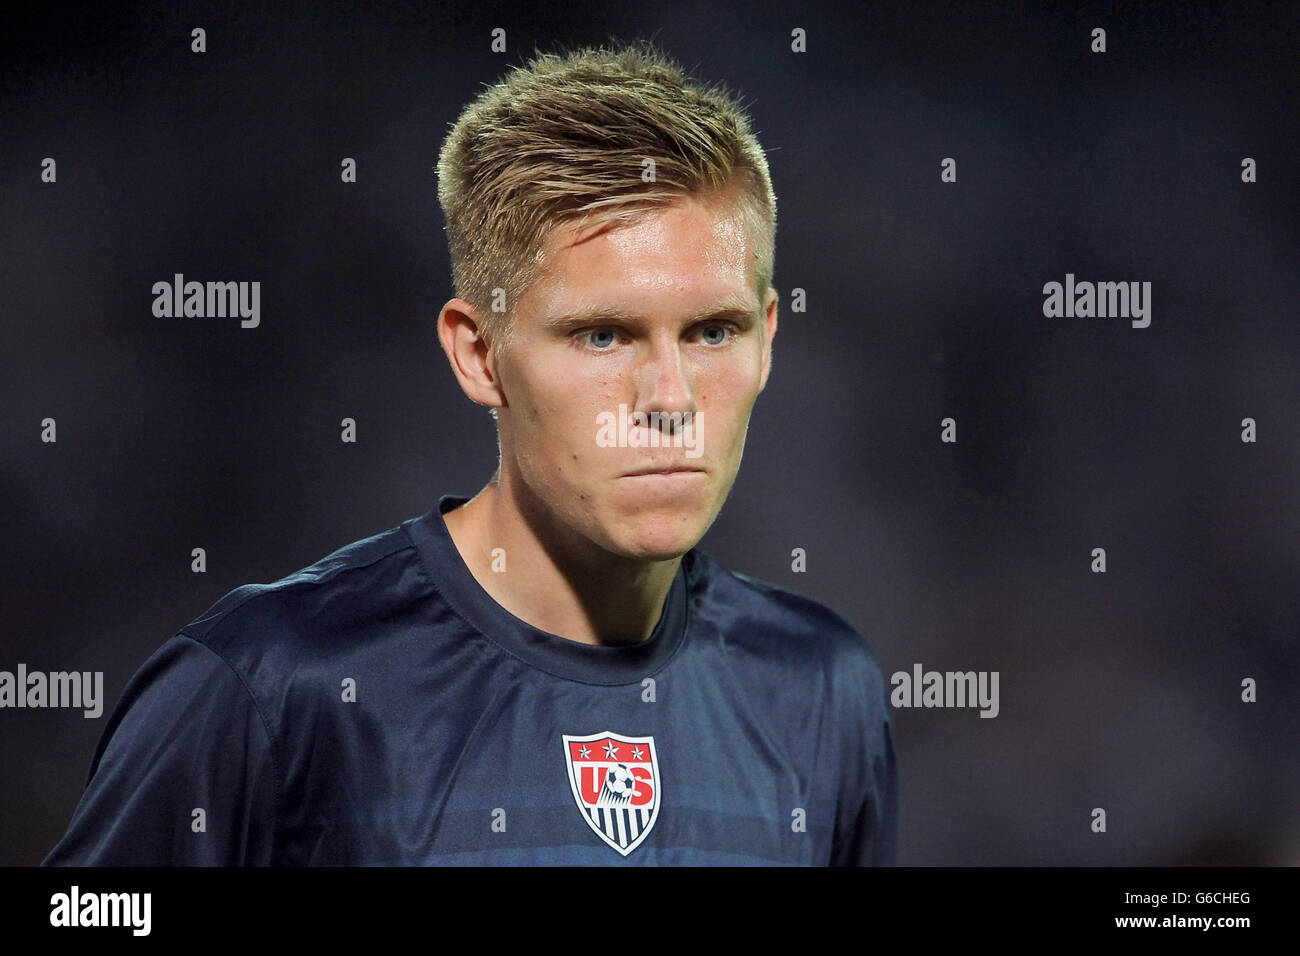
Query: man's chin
[{"x": 658, "y": 537}]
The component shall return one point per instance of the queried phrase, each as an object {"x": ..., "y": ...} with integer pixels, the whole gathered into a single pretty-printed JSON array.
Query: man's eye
[
  {"x": 600, "y": 339},
  {"x": 724, "y": 329},
  {"x": 603, "y": 340}
]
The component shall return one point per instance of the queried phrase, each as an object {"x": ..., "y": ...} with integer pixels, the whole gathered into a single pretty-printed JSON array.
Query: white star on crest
[
  {"x": 584, "y": 753},
  {"x": 636, "y": 753},
  {"x": 611, "y": 751}
]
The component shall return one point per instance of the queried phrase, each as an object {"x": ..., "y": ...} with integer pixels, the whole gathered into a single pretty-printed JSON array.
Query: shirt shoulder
[
  {"x": 350, "y": 593},
  {"x": 769, "y": 617}
]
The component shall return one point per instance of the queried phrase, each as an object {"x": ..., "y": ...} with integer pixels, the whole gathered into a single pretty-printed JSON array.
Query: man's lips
[{"x": 664, "y": 470}]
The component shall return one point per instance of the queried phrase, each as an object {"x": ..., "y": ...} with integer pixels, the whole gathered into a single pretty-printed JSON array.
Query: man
[{"x": 548, "y": 673}]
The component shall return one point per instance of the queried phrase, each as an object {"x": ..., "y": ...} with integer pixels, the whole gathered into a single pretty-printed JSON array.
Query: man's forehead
[
  {"x": 649, "y": 250},
  {"x": 725, "y": 208},
  {"x": 556, "y": 299}
]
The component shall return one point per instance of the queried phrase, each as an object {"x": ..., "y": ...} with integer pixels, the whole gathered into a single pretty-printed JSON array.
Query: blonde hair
[{"x": 565, "y": 139}]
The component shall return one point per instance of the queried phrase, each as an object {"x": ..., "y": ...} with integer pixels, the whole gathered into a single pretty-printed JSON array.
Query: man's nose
[{"x": 664, "y": 379}]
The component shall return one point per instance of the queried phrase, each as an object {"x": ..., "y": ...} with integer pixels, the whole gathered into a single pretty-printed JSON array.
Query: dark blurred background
[{"x": 1118, "y": 690}]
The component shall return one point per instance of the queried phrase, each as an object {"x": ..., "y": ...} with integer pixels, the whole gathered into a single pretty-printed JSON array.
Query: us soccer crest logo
[{"x": 615, "y": 780}]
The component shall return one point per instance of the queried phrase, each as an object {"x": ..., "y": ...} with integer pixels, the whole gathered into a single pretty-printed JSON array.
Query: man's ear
[
  {"x": 471, "y": 357},
  {"x": 769, "y": 333}
]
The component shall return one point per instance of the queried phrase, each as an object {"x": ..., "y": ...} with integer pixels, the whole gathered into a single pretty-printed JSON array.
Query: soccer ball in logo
[{"x": 619, "y": 784}]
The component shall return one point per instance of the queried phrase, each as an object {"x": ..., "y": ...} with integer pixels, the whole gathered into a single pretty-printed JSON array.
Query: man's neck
[{"x": 570, "y": 587}]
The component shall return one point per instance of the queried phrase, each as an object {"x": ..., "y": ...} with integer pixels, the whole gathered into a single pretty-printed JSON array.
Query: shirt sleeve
[
  {"x": 184, "y": 773},
  {"x": 866, "y": 826},
  {"x": 870, "y": 837}
]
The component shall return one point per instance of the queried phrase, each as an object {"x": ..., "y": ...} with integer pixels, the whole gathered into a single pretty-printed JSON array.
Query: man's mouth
[{"x": 664, "y": 470}]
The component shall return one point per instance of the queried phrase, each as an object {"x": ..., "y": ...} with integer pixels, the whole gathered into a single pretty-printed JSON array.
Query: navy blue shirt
[{"x": 379, "y": 707}]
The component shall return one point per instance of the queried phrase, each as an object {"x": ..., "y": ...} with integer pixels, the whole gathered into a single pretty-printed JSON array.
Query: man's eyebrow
[{"x": 737, "y": 312}]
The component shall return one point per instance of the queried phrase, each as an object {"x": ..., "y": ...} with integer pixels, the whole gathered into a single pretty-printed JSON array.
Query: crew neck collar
[{"x": 574, "y": 660}]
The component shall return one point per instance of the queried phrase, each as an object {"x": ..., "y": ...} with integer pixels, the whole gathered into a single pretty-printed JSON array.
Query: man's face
[{"x": 659, "y": 316}]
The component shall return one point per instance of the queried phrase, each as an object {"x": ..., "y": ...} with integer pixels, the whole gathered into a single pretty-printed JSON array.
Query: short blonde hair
[{"x": 565, "y": 139}]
